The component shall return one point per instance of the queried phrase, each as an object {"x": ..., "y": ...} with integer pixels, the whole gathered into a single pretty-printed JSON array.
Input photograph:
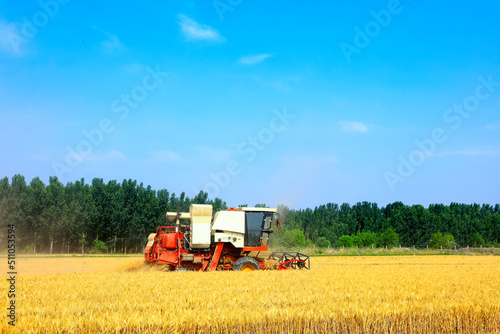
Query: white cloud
[
  {"x": 213, "y": 155},
  {"x": 278, "y": 85},
  {"x": 134, "y": 68},
  {"x": 41, "y": 157},
  {"x": 166, "y": 155},
  {"x": 112, "y": 44},
  {"x": 110, "y": 155},
  {"x": 253, "y": 59},
  {"x": 11, "y": 39},
  {"x": 466, "y": 152},
  {"x": 354, "y": 127},
  {"x": 113, "y": 154},
  {"x": 493, "y": 126},
  {"x": 196, "y": 31}
]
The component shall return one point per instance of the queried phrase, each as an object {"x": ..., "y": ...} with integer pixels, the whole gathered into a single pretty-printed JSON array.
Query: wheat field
[{"x": 407, "y": 294}]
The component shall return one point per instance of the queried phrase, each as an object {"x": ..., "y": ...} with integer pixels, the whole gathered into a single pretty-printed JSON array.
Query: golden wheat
[{"x": 432, "y": 294}]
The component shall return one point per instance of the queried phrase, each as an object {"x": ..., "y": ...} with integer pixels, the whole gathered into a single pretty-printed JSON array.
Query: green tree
[
  {"x": 477, "y": 240},
  {"x": 201, "y": 198},
  {"x": 34, "y": 206},
  {"x": 389, "y": 239},
  {"x": 439, "y": 240},
  {"x": 345, "y": 241},
  {"x": 4, "y": 198},
  {"x": 17, "y": 196},
  {"x": 98, "y": 247},
  {"x": 323, "y": 242},
  {"x": 101, "y": 220},
  {"x": 146, "y": 211},
  {"x": 163, "y": 206},
  {"x": 81, "y": 209},
  {"x": 365, "y": 239},
  {"x": 367, "y": 215},
  {"x": 218, "y": 204},
  {"x": 55, "y": 212},
  {"x": 294, "y": 238}
]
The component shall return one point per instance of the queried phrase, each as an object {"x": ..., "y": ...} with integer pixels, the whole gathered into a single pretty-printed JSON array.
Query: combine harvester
[{"x": 222, "y": 242}]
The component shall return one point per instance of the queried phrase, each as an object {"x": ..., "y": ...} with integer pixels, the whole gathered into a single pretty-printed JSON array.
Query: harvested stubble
[{"x": 339, "y": 295}]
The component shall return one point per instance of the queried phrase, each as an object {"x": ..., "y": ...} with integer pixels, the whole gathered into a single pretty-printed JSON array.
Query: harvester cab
[{"x": 221, "y": 241}]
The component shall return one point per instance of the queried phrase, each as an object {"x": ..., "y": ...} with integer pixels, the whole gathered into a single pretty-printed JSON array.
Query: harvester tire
[{"x": 246, "y": 264}]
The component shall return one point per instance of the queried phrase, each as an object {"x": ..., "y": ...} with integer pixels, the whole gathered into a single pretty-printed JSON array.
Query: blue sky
[{"x": 281, "y": 102}]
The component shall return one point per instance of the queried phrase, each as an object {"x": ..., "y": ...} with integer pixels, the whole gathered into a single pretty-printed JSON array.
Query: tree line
[
  {"x": 118, "y": 217},
  {"x": 74, "y": 217},
  {"x": 361, "y": 224}
]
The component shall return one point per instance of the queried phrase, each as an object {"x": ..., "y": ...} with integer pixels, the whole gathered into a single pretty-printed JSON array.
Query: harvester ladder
[{"x": 216, "y": 257}]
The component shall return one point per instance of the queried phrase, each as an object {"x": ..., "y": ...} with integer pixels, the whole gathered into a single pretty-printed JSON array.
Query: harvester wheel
[{"x": 246, "y": 264}]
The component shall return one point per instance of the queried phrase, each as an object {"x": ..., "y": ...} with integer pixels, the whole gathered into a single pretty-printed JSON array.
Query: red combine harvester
[{"x": 224, "y": 241}]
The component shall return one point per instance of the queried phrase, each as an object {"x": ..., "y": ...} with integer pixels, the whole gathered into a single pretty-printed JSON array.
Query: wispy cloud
[
  {"x": 354, "y": 126},
  {"x": 471, "y": 152},
  {"x": 492, "y": 126},
  {"x": 196, "y": 31},
  {"x": 213, "y": 155},
  {"x": 11, "y": 40},
  {"x": 110, "y": 155},
  {"x": 278, "y": 85},
  {"x": 166, "y": 156},
  {"x": 134, "y": 68},
  {"x": 112, "y": 44},
  {"x": 41, "y": 157},
  {"x": 253, "y": 59}
]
